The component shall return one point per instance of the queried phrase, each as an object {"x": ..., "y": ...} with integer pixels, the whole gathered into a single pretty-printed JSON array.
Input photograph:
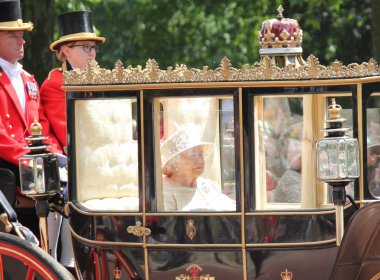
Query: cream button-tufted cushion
[
  {"x": 113, "y": 204},
  {"x": 106, "y": 155}
]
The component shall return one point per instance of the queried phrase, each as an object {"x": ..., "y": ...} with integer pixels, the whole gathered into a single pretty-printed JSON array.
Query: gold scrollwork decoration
[
  {"x": 191, "y": 231},
  {"x": 265, "y": 69},
  {"x": 138, "y": 230},
  {"x": 194, "y": 271}
]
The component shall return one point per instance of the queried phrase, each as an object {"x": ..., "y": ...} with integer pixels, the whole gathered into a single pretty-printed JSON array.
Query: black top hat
[
  {"x": 75, "y": 26},
  {"x": 10, "y": 16}
]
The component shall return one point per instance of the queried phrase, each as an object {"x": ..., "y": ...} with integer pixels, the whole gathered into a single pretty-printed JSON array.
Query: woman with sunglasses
[{"x": 77, "y": 45}]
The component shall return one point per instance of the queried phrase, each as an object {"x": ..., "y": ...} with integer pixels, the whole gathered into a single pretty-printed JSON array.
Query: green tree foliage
[
  {"x": 38, "y": 58},
  {"x": 375, "y": 6},
  {"x": 195, "y": 33},
  {"x": 339, "y": 29},
  {"x": 198, "y": 33}
]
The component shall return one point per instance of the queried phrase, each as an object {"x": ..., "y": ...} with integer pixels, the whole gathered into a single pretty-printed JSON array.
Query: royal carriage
[{"x": 263, "y": 122}]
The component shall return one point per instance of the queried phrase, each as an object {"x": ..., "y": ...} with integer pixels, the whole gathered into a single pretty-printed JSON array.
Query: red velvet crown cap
[{"x": 280, "y": 32}]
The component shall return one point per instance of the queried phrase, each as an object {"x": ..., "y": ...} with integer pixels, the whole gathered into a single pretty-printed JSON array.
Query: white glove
[
  {"x": 62, "y": 160},
  {"x": 63, "y": 174}
]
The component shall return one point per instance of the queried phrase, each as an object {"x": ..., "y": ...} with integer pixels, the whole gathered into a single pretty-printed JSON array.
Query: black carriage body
[{"x": 123, "y": 228}]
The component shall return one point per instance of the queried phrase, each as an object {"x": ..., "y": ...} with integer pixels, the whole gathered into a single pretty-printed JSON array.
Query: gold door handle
[
  {"x": 4, "y": 219},
  {"x": 138, "y": 230}
]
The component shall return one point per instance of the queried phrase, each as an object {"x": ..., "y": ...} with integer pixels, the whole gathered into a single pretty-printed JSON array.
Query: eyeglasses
[{"x": 87, "y": 48}]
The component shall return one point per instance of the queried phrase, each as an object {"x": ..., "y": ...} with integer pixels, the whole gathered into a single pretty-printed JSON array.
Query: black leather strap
[
  {"x": 26, "y": 234},
  {"x": 7, "y": 208},
  {"x": 8, "y": 184}
]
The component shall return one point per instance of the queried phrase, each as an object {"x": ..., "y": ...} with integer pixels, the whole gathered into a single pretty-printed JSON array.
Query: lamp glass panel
[
  {"x": 27, "y": 175},
  {"x": 40, "y": 175},
  {"x": 342, "y": 164},
  {"x": 32, "y": 175},
  {"x": 327, "y": 151},
  {"x": 352, "y": 158}
]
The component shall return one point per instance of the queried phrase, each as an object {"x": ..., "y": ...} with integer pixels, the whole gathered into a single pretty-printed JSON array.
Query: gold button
[
  {"x": 7, "y": 116},
  {"x": 10, "y": 126},
  {"x": 12, "y": 135}
]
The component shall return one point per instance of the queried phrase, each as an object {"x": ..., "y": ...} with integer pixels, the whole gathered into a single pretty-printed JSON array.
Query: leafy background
[{"x": 202, "y": 32}]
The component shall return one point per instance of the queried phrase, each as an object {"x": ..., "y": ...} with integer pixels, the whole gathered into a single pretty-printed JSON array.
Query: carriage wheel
[{"x": 22, "y": 260}]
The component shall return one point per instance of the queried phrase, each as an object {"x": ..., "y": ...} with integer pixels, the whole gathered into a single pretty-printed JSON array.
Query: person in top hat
[
  {"x": 76, "y": 46},
  {"x": 20, "y": 104},
  {"x": 183, "y": 160},
  {"x": 19, "y": 92}
]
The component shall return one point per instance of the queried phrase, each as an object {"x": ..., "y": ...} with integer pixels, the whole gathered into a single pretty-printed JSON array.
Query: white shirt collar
[{"x": 9, "y": 68}]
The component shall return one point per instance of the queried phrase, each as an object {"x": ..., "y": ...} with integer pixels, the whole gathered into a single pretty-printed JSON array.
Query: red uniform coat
[
  {"x": 53, "y": 101},
  {"x": 15, "y": 124}
]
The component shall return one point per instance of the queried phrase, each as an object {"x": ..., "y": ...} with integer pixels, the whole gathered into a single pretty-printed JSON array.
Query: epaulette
[
  {"x": 59, "y": 69},
  {"x": 27, "y": 73}
]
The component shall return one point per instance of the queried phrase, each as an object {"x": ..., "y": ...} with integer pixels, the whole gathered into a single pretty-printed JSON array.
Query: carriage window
[
  {"x": 196, "y": 155},
  {"x": 106, "y": 155},
  {"x": 281, "y": 140},
  {"x": 286, "y": 129},
  {"x": 373, "y": 145},
  {"x": 227, "y": 147}
]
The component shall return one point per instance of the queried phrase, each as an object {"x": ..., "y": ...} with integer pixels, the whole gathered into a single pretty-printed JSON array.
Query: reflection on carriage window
[
  {"x": 282, "y": 134},
  {"x": 191, "y": 155},
  {"x": 106, "y": 155},
  {"x": 288, "y": 188},
  {"x": 286, "y": 131},
  {"x": 373, "y": 145},
  {"x": 227, "y": 147},
  {"x": 134, "y": 121}
]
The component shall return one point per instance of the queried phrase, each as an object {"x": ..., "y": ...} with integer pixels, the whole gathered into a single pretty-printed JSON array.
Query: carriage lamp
[
  {"x": 337, "y": 161},
  {"x": 39, "y": 177},
  {"x": 39, "y": 172}
]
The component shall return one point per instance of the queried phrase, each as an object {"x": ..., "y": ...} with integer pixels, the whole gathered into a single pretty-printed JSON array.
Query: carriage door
[{"x": 192, "y": 184}]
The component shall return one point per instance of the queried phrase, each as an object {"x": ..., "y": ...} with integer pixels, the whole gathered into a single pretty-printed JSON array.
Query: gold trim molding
[{"x": 265, "y": 69}]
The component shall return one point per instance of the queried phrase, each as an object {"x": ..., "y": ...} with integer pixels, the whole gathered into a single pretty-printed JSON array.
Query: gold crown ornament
[
  {"x": 117, "y": 273},
  {"x": 286, "y": 275},
  {"x": 36, "y": 128}
]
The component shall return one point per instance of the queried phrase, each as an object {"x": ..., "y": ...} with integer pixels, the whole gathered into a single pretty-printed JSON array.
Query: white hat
[{"x": 180, "y": 142}]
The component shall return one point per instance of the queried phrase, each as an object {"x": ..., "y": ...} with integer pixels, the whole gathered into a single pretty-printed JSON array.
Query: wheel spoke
[
  {"x": 1, "y": 268},
  {"x": 20, "y": 259},
  {"x": 30, "y": 274}
]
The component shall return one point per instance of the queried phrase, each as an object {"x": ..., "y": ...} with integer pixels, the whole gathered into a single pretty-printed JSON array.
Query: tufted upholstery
[{"x": 106, "y": 155}]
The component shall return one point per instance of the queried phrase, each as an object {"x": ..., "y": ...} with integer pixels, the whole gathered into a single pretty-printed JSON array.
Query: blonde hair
[
  {"x": 60, "y": 55},
  {"x": 59, "y": 52}
]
